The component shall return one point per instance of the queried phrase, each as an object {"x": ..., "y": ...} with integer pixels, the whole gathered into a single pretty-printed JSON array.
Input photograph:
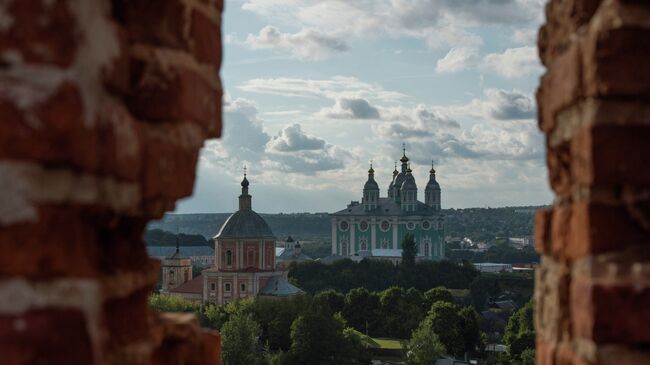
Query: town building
[
  {"x": 201, "y": 256},
  {"x": 381, "y": 223},
  {"x": 245, "y": 258},
  {"x": 292, "y": 251},
  {"x": 176, "y": 270}
]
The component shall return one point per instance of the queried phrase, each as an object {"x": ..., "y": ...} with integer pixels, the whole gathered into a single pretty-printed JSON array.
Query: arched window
[
  {"x": 426, "y": 249},
  {"x": 344, "y": 248},
  {"x": 228, "y": 258}
]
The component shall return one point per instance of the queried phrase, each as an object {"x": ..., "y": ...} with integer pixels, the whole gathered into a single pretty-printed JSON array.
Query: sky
[{"x": 316, "y": 89}]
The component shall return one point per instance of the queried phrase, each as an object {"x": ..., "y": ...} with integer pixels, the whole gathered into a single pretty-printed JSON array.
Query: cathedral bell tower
[{"x": 370, "y": 191}]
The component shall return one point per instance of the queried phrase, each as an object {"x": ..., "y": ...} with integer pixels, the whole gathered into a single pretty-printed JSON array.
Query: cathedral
[
  {"x": 245, "y": 262},
  {"x": 376, "y": 226}
]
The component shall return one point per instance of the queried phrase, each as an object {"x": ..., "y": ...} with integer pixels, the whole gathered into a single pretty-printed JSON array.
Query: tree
[
  {"x": 446, "y": 323},
  {"x": 171, "y": 303},
  {"x": 239, "y": 340},
  {"x": 437, "y": 294},
  {"x": 469, "y": 325},
  {"x": 318, "y": 338},
  {"x": 424, "y": 347},
  {"x": 399, "y": 315},
  {"x": 520, "y": 334},
  {"x": 361, "y": 310},
  {"x": 330, "y": 300},
  {"x": 407, "y": 266}
]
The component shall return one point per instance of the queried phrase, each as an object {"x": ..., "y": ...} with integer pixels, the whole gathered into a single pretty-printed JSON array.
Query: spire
[
  {"x": 432, "y": 171},
  {"x": 244, "y": 198},
  {"x": 395, "y": 172},
  {"x": 178, "y": 248},
  {"x": 371, "y": 171},
  {"x": 404, "y": 159}
]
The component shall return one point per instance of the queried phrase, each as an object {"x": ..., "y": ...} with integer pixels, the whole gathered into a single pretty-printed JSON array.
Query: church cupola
[
  {"x": 392, "y": 183},
  {"x": 432, "y": 191},
  {"x": 400, "y": 177},
  {"x": 244, "y": 198},
  {"x": 409, "y": 192},
  {"x": 370, "y": 191}
]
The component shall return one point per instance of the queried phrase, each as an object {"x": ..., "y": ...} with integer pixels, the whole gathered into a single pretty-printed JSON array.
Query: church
[
  {"x": 245, "y": 262},
  {"x": 376, "y": 226}
]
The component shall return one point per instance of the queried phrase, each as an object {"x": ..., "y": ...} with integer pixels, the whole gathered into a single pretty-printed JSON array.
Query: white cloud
[
  {"x": 457, "y": 59},
  {"x": 513, "y": 62},
  {"x": 346, "y": 108},
  {"x": 333, "y": 88},
  {"x": 308, "y": 44},
  {"x": 438, "y": 23},
  {"x": 525, "y": 36},
  {"x": 292, "y": 138}
]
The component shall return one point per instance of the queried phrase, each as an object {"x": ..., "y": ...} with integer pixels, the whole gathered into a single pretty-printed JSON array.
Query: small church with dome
[
  {"x": 376, "y": 226},
  {"x": 245, "y": 259}
]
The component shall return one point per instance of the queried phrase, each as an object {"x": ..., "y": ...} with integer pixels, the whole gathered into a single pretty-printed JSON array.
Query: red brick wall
[
  {"x": 593, "y": 286},
  {"x": 104, "y": 106}
]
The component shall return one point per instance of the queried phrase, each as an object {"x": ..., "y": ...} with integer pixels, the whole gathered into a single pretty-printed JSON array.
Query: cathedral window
[
  {"x": 228, "y": 258},
  {"x": 344, "y": 248},
  {"x": 227, "y": 287},
  {"x": 384, "y": 243},
  {"x": 363, "y": 226},
  {"x": 363, "y": 243}
]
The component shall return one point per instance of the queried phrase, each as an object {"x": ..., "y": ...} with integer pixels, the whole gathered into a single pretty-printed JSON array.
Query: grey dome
[
  {"x": 399, "y": 179},
  {"x": 409, "y": 183},
  {"x": 245, "y": 224},
  {"x": 433, "y": 184},
  {"x": 371, "y": 185}
]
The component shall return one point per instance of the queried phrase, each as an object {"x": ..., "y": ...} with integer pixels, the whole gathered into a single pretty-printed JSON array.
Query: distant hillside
[
  {"x": 479, "y": 224},
  {"x": 303, "y": 225}
]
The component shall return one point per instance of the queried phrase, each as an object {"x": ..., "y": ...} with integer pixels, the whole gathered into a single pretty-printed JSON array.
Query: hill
[{"x": 478, "y": 224}]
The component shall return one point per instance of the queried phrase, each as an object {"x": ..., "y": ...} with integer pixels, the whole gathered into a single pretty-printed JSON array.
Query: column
[
  {"x": 373, "y": 233},
  {"x": 395, "y": 228},
  {"x": 352, "y": 242},
  {"x": 334, "y": 238}
]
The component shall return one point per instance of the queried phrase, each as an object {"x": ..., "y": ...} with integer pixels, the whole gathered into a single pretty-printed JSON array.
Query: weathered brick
[
  {"x": 156, "y": 22},
  {"x": 129, "y": 318},
  {"x": 558, "y": 160},
  {"x": 52, "y": 131},
  {"x": 61, "y": 243},
  {"x": 49, "y": 336},
  {"x": 543, "y": 219},
  {"x": 611, "y": 312},
  {"x": 164, "y": 93},
  {"x": 598, "y": 227},
  {"x": 615, "y": 62},
  {"x": 120, "y": 138},
  {"x": 205, "y": 39},
  {"x": 560, "y": 86},
  {"x": 170, "y": 160},
  {"x": 552, "y": 321},
  {"x": 564, "y": 18},
  {"x": 50, "y": 40},
  {"x": 611, "y": 155}
]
